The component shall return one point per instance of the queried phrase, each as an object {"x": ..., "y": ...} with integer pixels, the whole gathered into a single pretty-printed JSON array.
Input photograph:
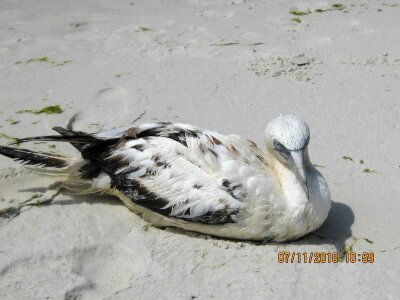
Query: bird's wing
[{"x": 175, "y": 170}]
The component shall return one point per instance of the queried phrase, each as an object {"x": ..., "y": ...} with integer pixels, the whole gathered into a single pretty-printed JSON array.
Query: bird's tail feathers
[
  {"x": 73, "y": 176},
  {"x": 76, "y": 175},
  {"x": 36, "y": 158},
  {"x": 77, "y": 139}
]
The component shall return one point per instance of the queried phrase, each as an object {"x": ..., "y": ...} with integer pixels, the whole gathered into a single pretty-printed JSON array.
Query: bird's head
[{"x": 287, "y": 139}]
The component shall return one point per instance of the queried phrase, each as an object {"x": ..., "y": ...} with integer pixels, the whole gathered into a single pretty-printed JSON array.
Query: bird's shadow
[{"x": 335, "y": 230}]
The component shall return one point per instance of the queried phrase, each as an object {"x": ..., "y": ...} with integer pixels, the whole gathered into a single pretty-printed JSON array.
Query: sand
[{"x": 226, "y": 65}]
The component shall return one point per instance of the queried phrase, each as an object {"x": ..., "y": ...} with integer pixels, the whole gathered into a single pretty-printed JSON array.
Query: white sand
[{"x": 227, "y": 65}]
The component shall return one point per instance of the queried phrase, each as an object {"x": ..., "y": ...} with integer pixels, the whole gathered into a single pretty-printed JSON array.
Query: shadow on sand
[{"x": 335, "y": 231}]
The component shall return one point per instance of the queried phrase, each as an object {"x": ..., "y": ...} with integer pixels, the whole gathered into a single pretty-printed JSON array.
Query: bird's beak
[{"x": 297, "y": 163}]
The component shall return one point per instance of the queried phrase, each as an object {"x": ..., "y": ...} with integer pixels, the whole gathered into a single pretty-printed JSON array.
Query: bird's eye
[
  {"x": 281, "y": 149},
  {"x": 307, "y": 141},
  {"x": 278, "y": 146}
]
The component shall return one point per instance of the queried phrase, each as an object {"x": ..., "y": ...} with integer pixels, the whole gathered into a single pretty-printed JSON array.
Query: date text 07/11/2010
[{"x": 325, "y": 257}]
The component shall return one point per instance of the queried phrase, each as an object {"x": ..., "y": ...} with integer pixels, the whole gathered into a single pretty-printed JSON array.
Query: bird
[{"x": 199, "y": 180}]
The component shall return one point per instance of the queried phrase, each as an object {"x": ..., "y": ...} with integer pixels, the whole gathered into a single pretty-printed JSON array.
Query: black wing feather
[{"x": 29, "y": 157}]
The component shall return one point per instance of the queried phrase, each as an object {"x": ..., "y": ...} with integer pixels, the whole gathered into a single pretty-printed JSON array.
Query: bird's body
[{"x": 196, "y": 179}]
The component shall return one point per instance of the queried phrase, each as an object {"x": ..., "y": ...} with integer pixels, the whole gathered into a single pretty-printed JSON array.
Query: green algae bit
[
  {"x": 41, "y": 59},
  {"x": 348, "y": 249},
  {"x": 368, "y": 240},
  {"x": 142, "y": 29},
  {"x": 298, "y": 12},
  {"x": 347, "y": 158},
  {"x": 7, "y": 137},
  {"x": 338, "y": 6},
  {"x": 345, "y": 249},
  {"x": 45, "y": 59},
  {"x": 297, "y": 20},
  {"x": 13, "y": 122},
  {"x": 48, "y": 110}
]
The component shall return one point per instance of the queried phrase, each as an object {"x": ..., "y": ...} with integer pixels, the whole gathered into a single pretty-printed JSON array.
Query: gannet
[{"x": 179, "y": 175}]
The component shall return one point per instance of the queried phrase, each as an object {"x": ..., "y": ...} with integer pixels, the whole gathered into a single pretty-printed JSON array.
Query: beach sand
[{"x": 226, "y": 65}]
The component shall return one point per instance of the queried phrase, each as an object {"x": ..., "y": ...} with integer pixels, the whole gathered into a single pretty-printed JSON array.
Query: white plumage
[{"x": 201, "y": 180}]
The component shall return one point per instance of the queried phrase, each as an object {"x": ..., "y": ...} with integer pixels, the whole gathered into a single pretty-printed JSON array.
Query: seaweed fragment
[
  {"x": 40, "y": 59},
  {"x": 48, "y": 110},
  {"x": 7, "y": 137},
  {"x": 338, "y": 6},
  {"x": 44, "y": 59},
  {"x": 368, "y": 240},
  {"x": 299, "y": 12}
]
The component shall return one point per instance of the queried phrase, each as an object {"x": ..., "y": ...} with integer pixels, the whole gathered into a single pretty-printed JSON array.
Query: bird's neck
[
  {"x": 318, "y": 199},
  {"x": 303, "y": 214},
  {"x": 290, "y": 185}
]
